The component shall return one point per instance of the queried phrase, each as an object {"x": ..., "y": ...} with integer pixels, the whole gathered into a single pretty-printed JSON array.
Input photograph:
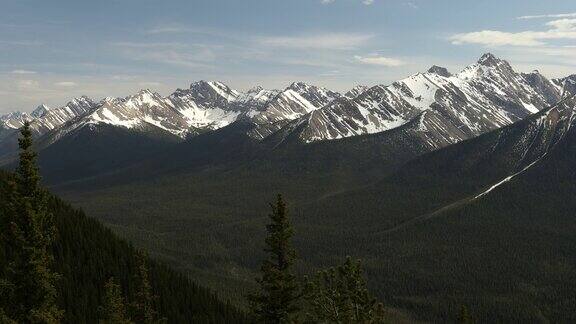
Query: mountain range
[
  {"x": 453, "y": 188},
  {"x": 443, "y": 108}
]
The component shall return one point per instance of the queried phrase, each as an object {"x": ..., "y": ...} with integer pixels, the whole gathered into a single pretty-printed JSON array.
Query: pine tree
[
  {"x": 28, "y": 285},
  {"x": 144, "y": 310},
  {"x": 277, "y": 299},
  {"x": 464, "y": 316},
  {"x": 113, "y": 309},
  {"x": 340, "y": 295}
]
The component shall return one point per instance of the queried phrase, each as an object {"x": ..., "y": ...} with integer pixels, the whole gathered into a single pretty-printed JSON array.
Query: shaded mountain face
[
  {"x": 356, "y": 91},
  {"x": 566, "y": 85},
  {"x": 464, "y": 171},
  {"x": 296, "y": 101}
]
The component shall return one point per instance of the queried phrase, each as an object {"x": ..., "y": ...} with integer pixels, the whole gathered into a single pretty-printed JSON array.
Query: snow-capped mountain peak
[
  {"x": 485, "y": 95},
  {"x": 489, "y": 59},
  {"x": 40, "y": 111},
  {"x": 443, "y": 108},
  {"x": 211, "y": 90},
  {"x": 258, "y": 94},
  {"x": 442, "y": 71},
  {"x": 356, "y": 91}
]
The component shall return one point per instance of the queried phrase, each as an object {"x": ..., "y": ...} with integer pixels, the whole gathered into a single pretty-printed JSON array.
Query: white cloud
[
  {"x": 411, "y": 4},
  {"x": 326, "y": 1},
  {"x": 558, "y": 30},
  {"x": 123, "y": 77},
  {"x": 27, "y": 84},
  {"x": 379, "y": 60},
  {"x": 496, "y": 38},
  {"x": 191, "y": 56},
  {"x": 147, "y": 84},
  {"x": 183, "y": 29},
  {"x": 565, "y": 15},
  {"x": 23, "y": 72},
  {"x": 166, "y": 30},
  {"x": 67, "y": 84},
  {"x": 321, "y": 41},
  {"x": 22, "y": 43},
  {"x": 148, "y": 45},
  {"x": 367, "y": 2}
]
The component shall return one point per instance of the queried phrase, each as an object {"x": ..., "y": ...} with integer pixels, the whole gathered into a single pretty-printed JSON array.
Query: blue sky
[{"x": 54, "y": 50}]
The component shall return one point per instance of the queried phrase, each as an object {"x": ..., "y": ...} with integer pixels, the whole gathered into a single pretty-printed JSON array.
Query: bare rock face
[{"x": 441, "y": 71}]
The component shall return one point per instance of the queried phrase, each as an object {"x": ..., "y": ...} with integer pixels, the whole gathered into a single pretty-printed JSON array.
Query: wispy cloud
[
  {"x": 148, "y": 84},
  {"x": 557, "y": 30},
  {"x": 564, "y": 15},
  {"x": 379, "y": 60},
  {"x": 27, "y": 84},
  {"x": 496, "y": 38},
  {"x": 21, "y": 42},
  {"x": 66, "y": 84},
  {"x": 191, "y": 56},
  {"x": 320, "y": 41},
  {"x": 22, "y": 72},
  {"x": 411, "y": 4},
  {"x": 365, "y": 2},
  {"x": 166, "y": 30},
  {"x": 183, "y": 29},
  {"x": 149, "y": 45}
]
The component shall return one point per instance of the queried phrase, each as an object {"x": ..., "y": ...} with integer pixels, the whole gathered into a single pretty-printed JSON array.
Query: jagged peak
[
  {"x": 439, "y": 70},
  {"x": 258, "y": 93},
  {"x": 255, "y": 89},
  {"x": 570, "y": 78},
  {"x": 356, "y": 90},
  {"x": 299, "y": 85},
  {"x": 146, "y": 92},
  {"x": 489, "y": 59},
  {"x": 215, "y": 87},
  {"x": 199, "y": 83},
  {"x": 210, "y": 84},
  {"x": 142, "y": 93},
  {"x": 40, "y": 111},
  {"x": 13, "y": 115},
  {"x": 308, "y": 90},
  {"x": 80, "y": 100}
]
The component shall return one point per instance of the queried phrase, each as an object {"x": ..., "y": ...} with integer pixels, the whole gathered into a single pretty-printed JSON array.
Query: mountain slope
[
  {"x": 492, "y": 227},
  {"x": 295, "y": 101},
  {"x": 354, "y": 196},
  {"x": 42, "y": 121},
  {"x": 484, "y": 96},
  {"x": 97, "y": 149},
  {"x": 87, "y": 255}
]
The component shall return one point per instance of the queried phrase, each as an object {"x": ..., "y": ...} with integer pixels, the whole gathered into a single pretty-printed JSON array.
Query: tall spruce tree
[
  {"x": 340, "y": 295},
  {"x": 464, "y": 316},
  {"x": 113, "y": 308},
  {"x": 278, "y": 297},
  {"x": 143, "y": 305},
  {"x": 28, "y": 285}
]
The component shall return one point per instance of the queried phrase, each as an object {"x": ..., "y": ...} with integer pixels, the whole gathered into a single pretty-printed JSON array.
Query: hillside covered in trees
[{"x": 68, "y": 279}]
